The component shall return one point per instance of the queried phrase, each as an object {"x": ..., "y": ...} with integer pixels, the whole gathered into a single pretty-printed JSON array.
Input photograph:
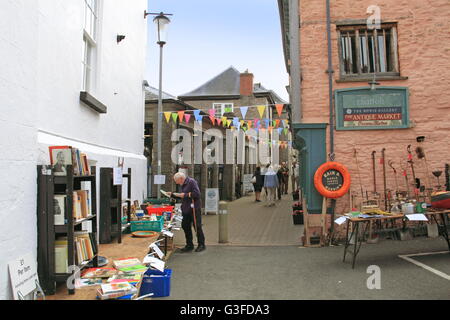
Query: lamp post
[{"x": 161, "y": 21}]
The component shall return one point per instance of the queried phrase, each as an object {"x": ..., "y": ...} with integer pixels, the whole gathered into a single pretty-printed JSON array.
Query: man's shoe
[
  {"x": 200, "y": 248},
  {"x": 187, "y": 249}
]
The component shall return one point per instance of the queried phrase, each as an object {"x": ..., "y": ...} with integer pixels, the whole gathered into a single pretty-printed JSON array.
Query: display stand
[
  {"x": 110, "y": 207},
  {"x": 48, "y": 186}
]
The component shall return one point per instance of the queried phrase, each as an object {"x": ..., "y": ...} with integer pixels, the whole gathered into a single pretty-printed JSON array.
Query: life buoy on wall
[{"x": 332, "y": 180}]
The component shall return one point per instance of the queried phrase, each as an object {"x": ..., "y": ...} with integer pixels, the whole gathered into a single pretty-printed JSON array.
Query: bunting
[
  {"x": 279, "y": 108},
  {"x": 167, "y": 115},
  {"x": 261, "y": 110},
  {"x": 187, "y": 117},
  {"x": 244, "y": 112},
  {"x": 175, "y": 117}
]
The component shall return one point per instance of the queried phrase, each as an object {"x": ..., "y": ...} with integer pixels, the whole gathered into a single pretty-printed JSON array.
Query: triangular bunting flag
[
  {"x": 261, "y": 110},
  {"x": 175, "y": 117},
  {"x": 244, "y": 111},
  {"x": 277, "y": 123},
  {"x": 219, "y": 121},
  {"x": 187, "y": 117},
  {"x": 279, "y": 109},
  {"x": 279, "y": 130},
  {"x": 167, "y": 115},
  {"x": 181, "y": 115},
  {"x": 199, "y": 119},
  {"x": 197, "y": 115},
  {"x": 212, "y": 118},
  {"x": 286, "y": 131},
  {"x": 212, "y": 112}
]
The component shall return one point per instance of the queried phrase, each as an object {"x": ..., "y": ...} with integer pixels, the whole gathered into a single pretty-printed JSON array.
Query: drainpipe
[
  {"x": 330, "y": 72},
  {"x": 295, "y": 67}
]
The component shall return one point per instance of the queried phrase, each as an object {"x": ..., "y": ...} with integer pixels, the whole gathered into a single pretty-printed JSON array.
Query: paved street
[{"x": 265, "y": 261}]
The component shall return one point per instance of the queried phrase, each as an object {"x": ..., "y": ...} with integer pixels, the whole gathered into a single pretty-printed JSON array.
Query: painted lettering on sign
[{"x": 332, "y": 180}]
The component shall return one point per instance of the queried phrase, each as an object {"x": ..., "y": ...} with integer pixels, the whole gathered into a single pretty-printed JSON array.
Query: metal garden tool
[
  {"x": 405, "y": 174},
  {"x": 437, "y": 174},
  {"x": 411, "y": 162},
  {"x": 374, "y": 174},
  {"x": 357, "y": 168},
  {"x": 391, "y": 164},
  {"x": 383, "y": 162}
]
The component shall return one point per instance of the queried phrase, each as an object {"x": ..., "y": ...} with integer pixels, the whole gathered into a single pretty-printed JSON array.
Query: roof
[
  {"x": 225, "y": 84},
  {"x": 152, "y": 93},
  {"x": 228, "y": 83}
]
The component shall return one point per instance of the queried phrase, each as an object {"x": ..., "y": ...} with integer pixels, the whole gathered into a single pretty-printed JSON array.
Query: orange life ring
[{"x": 332, "y": 180}]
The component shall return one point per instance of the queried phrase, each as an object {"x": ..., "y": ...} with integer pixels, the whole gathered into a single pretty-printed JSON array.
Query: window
[
  {"x": 364, "y": 52},
  {"x": 89, "y": 43},
  {"x": 222, "y": 108}
]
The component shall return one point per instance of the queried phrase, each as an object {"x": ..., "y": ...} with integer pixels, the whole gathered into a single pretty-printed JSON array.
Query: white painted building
[{"x": 44, "y": 65}]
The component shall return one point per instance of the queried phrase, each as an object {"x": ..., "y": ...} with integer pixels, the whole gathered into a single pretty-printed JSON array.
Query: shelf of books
[{"x": 67, "y": 220}]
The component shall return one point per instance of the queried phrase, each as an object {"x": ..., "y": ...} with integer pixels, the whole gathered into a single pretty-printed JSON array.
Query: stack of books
[
  {"x": 103, "y": 273},
  {"x": 116, "y": 290},
  {"x": 130, "y": 265},
  {"x": 61, "y": 156},
  {"x": 61, "y": 255}
]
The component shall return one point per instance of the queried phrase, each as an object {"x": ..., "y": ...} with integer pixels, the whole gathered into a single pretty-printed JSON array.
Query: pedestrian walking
[
  {"x": 191, "y": 209},
  {"x": 258, "y": 182},
  {"x": 295, "y": 176},
  {"x": 285, "y": 171},
  {"x": 271, "y": 183},
  {"x": 280, "y": 177}
]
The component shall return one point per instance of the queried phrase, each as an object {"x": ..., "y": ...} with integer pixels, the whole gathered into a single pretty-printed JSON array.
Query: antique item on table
[
  {"x": 437, "y": 174},
  {"x": 144, "y": 234},
  {"x": 440, "y": 199}
]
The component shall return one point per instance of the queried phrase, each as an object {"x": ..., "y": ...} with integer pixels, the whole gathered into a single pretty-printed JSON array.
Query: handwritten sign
[
  {"x": 117, "y": 176},
  {"x": 23, "y": 274}
]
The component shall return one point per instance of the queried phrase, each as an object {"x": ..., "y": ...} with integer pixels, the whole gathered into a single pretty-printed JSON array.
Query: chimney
[{"x": 246, "y": 84}]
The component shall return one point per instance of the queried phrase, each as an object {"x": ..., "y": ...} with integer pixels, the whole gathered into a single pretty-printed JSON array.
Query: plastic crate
[
  {"x": 148, "y": 225},
  {"x": 157, "y": 201},
  {"x": 159, "y": 210},
  {"x": 156, "y": 282}
]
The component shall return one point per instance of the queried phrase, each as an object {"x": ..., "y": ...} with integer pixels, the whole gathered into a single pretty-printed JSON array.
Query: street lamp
[{"x": 161, "y": 21}]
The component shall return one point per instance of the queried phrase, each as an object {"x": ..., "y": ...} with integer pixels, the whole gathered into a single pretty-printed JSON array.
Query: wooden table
[{"x": 355, "y": 222}]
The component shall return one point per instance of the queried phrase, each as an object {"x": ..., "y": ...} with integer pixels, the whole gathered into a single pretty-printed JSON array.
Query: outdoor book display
[{"x": 67, "y": 223}]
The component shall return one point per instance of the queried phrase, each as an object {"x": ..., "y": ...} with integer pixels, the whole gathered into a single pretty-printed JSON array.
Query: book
[
  {"x": 103, "y": 296},
  {"x": 83, "y": 196},
  {"x": 109, "y": 288},
  {"x": 129, "y": 277},
  {"x": 135, "y": 269},
  {"x": 81, "y": 283},
  {"x": 61, "y": 259},
  {"x": 77, "y": 206},
  {"x": 126, "y": 262},
  {"x": 76, "y": 170},
  {"x": 98, "y": 273},
  {"x": 59, "y": 205}
]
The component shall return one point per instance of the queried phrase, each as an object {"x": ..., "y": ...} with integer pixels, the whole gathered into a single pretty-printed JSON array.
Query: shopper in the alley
[{"x": 191, "y": 209}]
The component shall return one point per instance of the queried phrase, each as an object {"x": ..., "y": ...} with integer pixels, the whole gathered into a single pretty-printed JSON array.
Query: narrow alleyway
[{"x": 253, "y": 224}]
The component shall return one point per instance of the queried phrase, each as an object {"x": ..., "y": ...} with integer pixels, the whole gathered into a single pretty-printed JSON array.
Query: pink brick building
[{"x": 409, "y": 54}]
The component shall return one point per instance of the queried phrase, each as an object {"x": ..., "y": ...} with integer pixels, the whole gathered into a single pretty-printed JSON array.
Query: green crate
[
  {"x": 157, "y": 201},
  {"x": 148, "y": 225}
]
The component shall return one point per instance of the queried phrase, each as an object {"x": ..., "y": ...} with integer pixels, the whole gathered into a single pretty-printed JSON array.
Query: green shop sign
[{"x": 365, "y": 109}]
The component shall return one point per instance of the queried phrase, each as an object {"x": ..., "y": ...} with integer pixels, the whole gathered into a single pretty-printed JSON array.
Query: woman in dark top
[{"x": 258, "y": 184}]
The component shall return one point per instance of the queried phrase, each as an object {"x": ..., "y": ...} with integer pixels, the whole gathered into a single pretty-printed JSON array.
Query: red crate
[{"x": 159, "y": 210}]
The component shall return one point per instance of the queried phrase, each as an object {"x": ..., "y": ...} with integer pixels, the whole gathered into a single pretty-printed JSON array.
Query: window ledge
[
  {"x": 93, "y": 103},
  {"x": 369, "y": 78}
]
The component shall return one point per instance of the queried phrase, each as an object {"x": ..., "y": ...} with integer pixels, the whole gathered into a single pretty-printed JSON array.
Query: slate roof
[{"x": 227, "y": 83}]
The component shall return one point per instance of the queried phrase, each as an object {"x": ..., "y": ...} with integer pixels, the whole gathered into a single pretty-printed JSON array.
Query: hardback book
[
  {"x": 83, "y": 196},
  {"x": 126, "y": 263},
  {"x": 77, "y": 214},
  {"x": 80, "y": 283},
  {"x": 98, "y": 273},
  {"x": 59, "y": 204}
]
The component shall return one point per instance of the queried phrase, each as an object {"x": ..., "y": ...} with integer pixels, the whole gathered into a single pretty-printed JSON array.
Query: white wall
[{"x": 40, "y": 83}]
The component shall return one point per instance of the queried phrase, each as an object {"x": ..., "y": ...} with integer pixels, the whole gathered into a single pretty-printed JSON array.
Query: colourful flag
[
  {"x": 181, "y": 115},
  {"x": 212, "y": 112},
  {"x": 197, "y": 115},
  {"x": 261, "y": 110},
  {"x": 244, "y": 111},
  {"x": 279, "y": 109},
  {"x": 277, "y": 123},
  {"x": 175, "y": 117},
  {"x": 212, "y": 118},
  {"x": 187, "y": 117},
  {"x": 167, "y": 115}
]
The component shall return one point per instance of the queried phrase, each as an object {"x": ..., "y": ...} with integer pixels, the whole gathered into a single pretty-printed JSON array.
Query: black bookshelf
[{"x": 50, "y": 185}]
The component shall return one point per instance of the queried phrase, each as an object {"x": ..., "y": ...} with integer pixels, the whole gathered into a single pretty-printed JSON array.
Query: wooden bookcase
[
  {"x": 48, "y": 186},
  {"x": 111, "y": 206}
]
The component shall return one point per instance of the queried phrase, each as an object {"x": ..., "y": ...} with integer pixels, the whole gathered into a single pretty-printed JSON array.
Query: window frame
[
  {"x": 393, "y": 54},
  {"x": 89, "y": 45},
  {"x": 222, "y": 108}
]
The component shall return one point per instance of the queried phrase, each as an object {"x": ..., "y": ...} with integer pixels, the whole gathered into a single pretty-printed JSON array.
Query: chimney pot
[{"x": 246, "y": 87}]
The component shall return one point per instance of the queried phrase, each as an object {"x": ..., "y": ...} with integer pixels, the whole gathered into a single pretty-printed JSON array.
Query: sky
[{"x": 206, "y": 37}]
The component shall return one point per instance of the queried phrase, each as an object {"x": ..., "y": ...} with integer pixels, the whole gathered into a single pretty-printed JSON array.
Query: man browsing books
[{"x": 191, "y": 208}]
